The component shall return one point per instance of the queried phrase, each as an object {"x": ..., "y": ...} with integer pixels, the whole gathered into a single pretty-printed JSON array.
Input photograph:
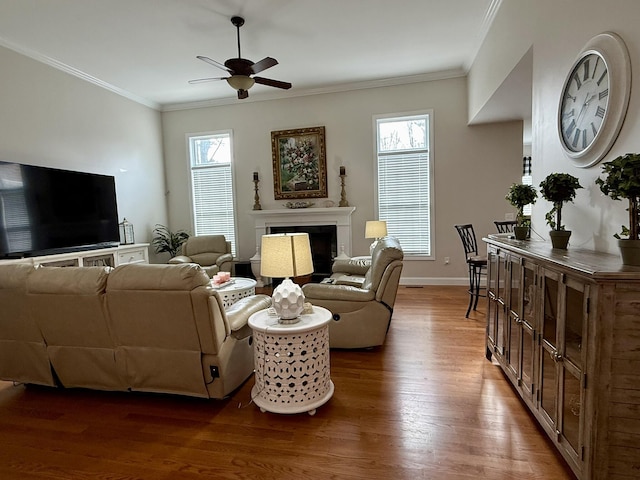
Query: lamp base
[{"x": 288, "y": 301}]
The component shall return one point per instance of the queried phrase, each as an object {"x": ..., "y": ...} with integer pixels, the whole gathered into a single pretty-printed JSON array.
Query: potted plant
[
  {"x": 558, "y": 188},
  {"x": 164, "y": 240},
  {"x": 622, "y": 180},
  {"x": 520, "y": 196}
]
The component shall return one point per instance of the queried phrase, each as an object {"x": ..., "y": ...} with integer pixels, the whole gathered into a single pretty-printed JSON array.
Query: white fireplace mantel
[{"x": 295, "y": 217}]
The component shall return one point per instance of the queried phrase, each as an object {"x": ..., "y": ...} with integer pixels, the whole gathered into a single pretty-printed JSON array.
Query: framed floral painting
[{"x": 299, "y": 163}]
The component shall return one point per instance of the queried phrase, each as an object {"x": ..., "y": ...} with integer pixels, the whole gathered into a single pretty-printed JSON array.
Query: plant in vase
[
  {"x": 622, "y": 180},
  {"x": 164, "y": 240},
  {"x": 520, "y": 196},
  {"x": 558, "y": 188}
]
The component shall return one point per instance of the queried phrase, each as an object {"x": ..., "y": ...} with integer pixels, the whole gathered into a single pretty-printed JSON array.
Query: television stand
[{"x": 102, "y": 257}]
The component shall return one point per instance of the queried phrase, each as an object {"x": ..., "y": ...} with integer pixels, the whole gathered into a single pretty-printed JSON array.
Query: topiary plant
[
  {"x": 558, "y": 188},
  {"x": 622, "y": 180},
  {"x": 520, "y": 196}
]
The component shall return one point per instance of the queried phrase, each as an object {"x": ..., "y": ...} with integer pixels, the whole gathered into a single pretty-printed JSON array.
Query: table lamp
[
  {"x": 375, "y": 229},
  {"x": 286, "y": 255}
]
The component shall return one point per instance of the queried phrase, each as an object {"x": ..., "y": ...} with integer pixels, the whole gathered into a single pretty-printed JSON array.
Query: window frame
[
  {"x": 190, "y": 167},
  {"x": 430, "y": 149}
]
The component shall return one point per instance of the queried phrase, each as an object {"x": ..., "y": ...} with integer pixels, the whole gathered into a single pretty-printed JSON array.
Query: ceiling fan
[{"x": 241, "y": 69}]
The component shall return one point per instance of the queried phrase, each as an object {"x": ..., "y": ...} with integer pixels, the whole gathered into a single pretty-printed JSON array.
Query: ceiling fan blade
[
  {"x": 266, "y": 62},
  {"x": 203, "y": 80},
  {"x": 272, "y": 83},
  {"x": 242, "y": 94},
  {"x": 214, "y": 63}
]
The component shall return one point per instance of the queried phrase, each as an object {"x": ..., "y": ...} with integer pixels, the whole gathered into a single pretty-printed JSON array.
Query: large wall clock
[{"x": 594, "y": 99}]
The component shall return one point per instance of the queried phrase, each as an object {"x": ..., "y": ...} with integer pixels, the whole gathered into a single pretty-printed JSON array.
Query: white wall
[
  {"x": 53, "y": 119},
  {"x": 560, "y": 30},
  {"x": 474, "y": 166}
]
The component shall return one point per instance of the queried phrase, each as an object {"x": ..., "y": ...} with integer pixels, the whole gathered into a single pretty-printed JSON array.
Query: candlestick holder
[
  {"x": 256, "y": 205},
  {"x": 343, "y": 194}
]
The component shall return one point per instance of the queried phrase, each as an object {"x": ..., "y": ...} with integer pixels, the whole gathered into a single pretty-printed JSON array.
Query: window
[
  {"x": 527, "y": 179},
  {"x": 404, "y": 179},
  {"x": 212, "y": 186}
]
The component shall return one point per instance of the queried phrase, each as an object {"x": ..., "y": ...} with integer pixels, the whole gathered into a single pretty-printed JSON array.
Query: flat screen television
[{"x": 47, "y": 210}]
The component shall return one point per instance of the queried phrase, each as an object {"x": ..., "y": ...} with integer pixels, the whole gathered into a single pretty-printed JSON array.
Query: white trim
[
  {"x": 303, "y": 92},
  {"x": 77, "y": 73}
]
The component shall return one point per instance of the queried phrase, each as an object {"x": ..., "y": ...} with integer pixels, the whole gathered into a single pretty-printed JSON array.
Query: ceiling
[{"x": 146, "y": 49}]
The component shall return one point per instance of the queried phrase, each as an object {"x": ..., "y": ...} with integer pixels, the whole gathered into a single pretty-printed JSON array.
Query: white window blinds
[
  {"x": 404, "y": 181},
  {"x": 212, "y": 186}
]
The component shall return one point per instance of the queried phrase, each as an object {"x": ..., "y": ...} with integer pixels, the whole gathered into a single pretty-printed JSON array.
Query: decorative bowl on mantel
[{"x": 299, "y": 204}]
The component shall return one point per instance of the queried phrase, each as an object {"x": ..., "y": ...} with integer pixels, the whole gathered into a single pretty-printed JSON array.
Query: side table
[
  {"x": 236, "y": 289},
  {"x": 292, "y": 367}
]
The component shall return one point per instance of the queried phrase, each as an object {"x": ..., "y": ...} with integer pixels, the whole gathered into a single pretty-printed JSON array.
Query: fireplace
[
  {"x": 339, "y": 218},
  {"x": 324, "y": 246}
]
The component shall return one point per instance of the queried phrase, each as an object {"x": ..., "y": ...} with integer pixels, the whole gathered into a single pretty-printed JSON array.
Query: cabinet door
[
  {"x": 572, "y": 358},
  {"x": 529, "y": 299},
  {"x": 496, "y": 310},
  {"x": 492, "y": 283},
  {"x": 548, "y": 347},
  {"x": 514, "y": 327}
]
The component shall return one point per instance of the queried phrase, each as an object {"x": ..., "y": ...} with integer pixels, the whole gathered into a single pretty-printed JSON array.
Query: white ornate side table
[
  {"x": 236, "y": 289},
  {"x": 292, "y": 367}
]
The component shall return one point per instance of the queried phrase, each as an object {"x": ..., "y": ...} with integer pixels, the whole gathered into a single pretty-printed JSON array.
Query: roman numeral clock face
[
  {"x": 594, "y": 100},
  {"x": 584, "y": 103}
]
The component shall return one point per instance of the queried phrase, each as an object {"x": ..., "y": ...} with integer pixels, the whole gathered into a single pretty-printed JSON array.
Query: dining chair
[{"x": 505, "y": 226}]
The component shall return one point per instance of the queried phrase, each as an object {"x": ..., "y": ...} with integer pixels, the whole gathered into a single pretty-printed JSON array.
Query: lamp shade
[
  {"x": 240, "y": 82},
  {"x": 285, "y": 255},
  {"x": 375, "y": 229}
]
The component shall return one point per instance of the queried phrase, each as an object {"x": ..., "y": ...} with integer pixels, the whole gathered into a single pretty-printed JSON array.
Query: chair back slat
[
  {"x": 468, "y": 237},
  {"x": 505, "y": 226}
]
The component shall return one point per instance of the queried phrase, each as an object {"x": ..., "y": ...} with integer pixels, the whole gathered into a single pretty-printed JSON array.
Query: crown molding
[
  {"x": 337, "y": 88},
  {"x": 77, "y": 73}
]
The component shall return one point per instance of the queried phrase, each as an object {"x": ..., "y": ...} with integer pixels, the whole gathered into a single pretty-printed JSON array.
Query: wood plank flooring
[{"x": 426, "y": 405}]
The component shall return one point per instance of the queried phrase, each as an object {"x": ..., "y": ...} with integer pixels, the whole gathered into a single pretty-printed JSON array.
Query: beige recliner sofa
[
  {"x": 23, "y": 351},
  {"x": 361, "y": 297},
  {"x": 211, "y": 252},
  {"x": 138, "y": 327}
]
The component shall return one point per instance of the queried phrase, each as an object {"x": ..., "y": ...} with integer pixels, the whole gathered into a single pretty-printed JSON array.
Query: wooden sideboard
[
  {"x": 564, "y": 326},
  {"x": 102, "y": 257}
]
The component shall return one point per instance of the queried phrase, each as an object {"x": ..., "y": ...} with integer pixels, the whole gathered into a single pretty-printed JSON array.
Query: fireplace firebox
[{"x": 324, "y": 246}]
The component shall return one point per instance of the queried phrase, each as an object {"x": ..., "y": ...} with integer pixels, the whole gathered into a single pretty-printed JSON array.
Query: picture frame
[{"x": 299, "y": 163}]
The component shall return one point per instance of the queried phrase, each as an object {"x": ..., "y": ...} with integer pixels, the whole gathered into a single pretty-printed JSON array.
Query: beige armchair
[
  {"x": 211, "y": 252},
  {"x": 361, "y": 309}
]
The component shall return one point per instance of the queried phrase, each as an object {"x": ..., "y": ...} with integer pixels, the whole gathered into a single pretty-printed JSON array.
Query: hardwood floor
[{"x": 426, "y": 405}]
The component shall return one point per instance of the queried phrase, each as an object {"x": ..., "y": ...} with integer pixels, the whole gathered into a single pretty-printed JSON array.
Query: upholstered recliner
[
  {"x": 138, "y": 327},
  {"x": 211, "y": 252},
  {"x": 172, "y": 333},
  {"x": 361, "y": 314},
  {"x": 23, "y": 350},
  {"x": 67, "y": 304}
]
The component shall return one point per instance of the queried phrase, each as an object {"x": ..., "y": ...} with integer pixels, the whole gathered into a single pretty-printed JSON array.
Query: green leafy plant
[
  {"x": 622, "y": 180},
  {"x": 558, "y": 188},
  {"x": 520, "y": 196},
  {"x": 164, "y": 240}
]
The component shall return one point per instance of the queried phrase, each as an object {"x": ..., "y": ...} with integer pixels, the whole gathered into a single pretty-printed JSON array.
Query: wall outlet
[
  {"x": 446, "y": 260},
  {"x": 510, "y": 216}
]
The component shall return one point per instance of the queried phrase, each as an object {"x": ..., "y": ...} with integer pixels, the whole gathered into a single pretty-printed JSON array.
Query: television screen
[{"x": 47, "y": 210}]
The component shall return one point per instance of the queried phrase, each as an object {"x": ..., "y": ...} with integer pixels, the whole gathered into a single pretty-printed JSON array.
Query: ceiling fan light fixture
[{"x": 241, "y": 82}]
